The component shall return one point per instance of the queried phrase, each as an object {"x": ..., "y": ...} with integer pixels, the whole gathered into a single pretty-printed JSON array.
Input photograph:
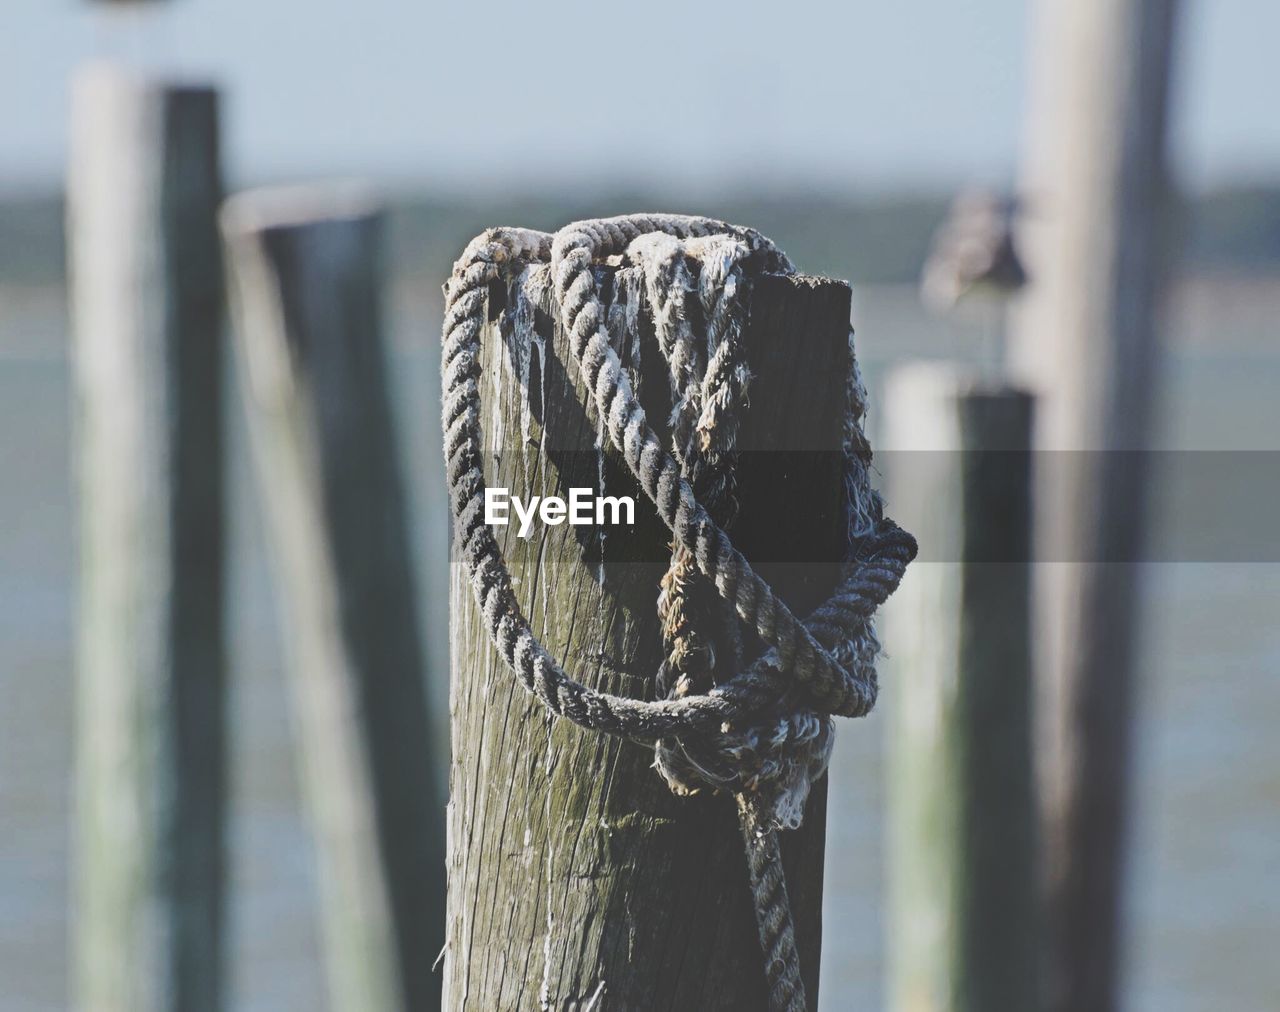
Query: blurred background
[{"x": 842, "y": 131}]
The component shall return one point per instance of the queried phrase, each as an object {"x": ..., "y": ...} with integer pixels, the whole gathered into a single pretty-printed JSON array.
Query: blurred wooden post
[
  {"x": 147, "y": 318},
  {"x": 1096, "y": 247},
  {"x": 307, "y": 289},
  {"x": 962, "y": 885}
]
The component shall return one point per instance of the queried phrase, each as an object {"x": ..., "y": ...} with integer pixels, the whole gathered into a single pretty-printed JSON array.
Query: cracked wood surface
[{"x": 576, "y": 879}]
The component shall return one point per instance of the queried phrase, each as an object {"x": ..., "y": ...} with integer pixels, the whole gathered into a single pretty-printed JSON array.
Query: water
[{"x": 1205, "y": 889}]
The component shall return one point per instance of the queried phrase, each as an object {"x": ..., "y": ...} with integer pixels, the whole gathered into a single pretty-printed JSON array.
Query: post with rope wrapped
[
  {"x": 578, "y": 878},
  {"x": 963, "y": 913}
]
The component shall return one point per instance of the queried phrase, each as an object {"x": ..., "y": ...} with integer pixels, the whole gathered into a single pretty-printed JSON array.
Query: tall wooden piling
[
  {"x": 1097, "y": 245},
  {"x": 307, "y": 287},
  {"x": 963, "y": 922},
  {"x": 576, "y": 878},
  {"x": 147, "y": 319}
]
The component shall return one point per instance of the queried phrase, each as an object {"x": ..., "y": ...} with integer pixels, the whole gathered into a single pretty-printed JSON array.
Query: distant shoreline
[{"x": 868, "y": 240}]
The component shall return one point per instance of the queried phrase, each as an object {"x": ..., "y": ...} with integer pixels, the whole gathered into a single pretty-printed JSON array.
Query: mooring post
[
  {"x": 306, "y": 278},
  {"x": 963, "y": 922},
  {"x": 576, "y": 878},
  {"x": 1087, "y": 340},
  {"x": 147, "y": 353}
]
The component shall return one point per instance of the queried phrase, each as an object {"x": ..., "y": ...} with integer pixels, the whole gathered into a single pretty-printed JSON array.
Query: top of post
[{"x": 287, "y": 207}]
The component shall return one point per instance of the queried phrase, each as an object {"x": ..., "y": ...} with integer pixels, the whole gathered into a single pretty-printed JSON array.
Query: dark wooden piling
[
  {"x": 963, "y": 912},
  {"x": 147, "y": 354},
  {"x": 307, "y": 290},
  {"x": 577, "y": 880}
]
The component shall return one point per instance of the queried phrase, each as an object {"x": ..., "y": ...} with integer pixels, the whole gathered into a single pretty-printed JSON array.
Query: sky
[{"x": 865, "y": 96}]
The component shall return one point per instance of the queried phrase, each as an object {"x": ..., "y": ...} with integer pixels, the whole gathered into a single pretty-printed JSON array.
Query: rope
[{"x": 764, "y": 731}]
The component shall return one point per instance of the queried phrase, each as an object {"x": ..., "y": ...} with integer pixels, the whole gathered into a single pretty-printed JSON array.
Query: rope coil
[{"x": 763, "y": 731}]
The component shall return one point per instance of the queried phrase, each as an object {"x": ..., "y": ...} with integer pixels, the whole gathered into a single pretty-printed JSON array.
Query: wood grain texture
[
  {"x": 576, "y": 879},
  {"x": 147, "y": 355},
  {"x": 306, "y": 266},
  {"x": 963, "y": 908}
]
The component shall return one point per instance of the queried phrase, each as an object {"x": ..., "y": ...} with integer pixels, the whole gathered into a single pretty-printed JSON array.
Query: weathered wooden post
[
  {"x": 963, "y": 921},
  {"x": 306, "y": 272},
  {"x": 577, "y": 879},
  {"x": 147, "y": 318},
  {"x": 1087, "y": 342}
]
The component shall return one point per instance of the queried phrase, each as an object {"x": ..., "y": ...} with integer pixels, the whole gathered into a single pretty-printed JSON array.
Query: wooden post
[
  {"x": 147, "y": 311},
  {"x": 306, "y": 272},
  {"x": 1087, "y": 343},
  {"x": 576, "y": 878},
  {"x": 963, "y": 920}
]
